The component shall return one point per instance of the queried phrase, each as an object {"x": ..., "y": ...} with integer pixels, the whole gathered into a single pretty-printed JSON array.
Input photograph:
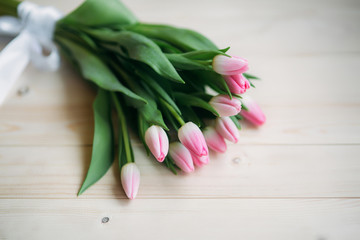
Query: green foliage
[
  {"x": 94, "y": 69},
  {"x": 236, "y": 121},
  {"x": 95, "y": 13},
  {"x": 102, "y": 153},
  {"x": 125, "y": 152},
  {"x": 193, "y": 101},
  {"x": 184, "y": 39},
  {"x": 139, "y": 48}
]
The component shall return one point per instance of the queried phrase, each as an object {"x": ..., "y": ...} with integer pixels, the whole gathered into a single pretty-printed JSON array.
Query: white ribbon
[{"x": 34, "y": 29}]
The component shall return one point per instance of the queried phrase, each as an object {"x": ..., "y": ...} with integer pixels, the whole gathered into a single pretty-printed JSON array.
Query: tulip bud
[
  {"x": 157, "y": 141},
  {"x": 227, "y": 129},
  {"x": 253, "y": 113},
  {"x": 130, "y": 179},
  {"x": 229, "y": 65},
  {"x": 200, "y": 161},
  {"x": 181, "y": 156},
  {"x": 193, "y": 139},
  {"x": 237, "y": 84},
  {"x": 214, "y": 140},
  {"x": 225, "y": 106}
]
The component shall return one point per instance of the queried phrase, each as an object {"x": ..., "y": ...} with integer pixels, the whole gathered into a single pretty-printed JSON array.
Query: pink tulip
[
  {"x": 193, "y": 139},
  {"x": 200, "y": 161},
  {"x": 214, "y": 140},
  {"x": 237, "y": 84},
  {"x": 227, "y": 129},
  {"x": 181, "y": 156},
  {"x": 225, "y": 106},
  {"x": 229, "y": 65},
  {"x": 130, "y": 179},
  {"x": 157, "y": 141},
  {"x": 253, "y": 113}
]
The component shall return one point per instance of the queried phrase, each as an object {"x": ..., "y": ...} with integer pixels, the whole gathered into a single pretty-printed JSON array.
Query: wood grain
[
  {"x": 242, "y": 172},
  {"x": 297, "y": 177},
  {"x": 181, "y": 219}
]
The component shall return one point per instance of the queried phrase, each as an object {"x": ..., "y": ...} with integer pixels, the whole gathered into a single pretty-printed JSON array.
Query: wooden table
[{"x": 297, "y": 177}]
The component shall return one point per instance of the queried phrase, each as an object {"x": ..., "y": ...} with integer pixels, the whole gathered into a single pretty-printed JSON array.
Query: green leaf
[
  {"x": 251, "y": 84},
  {"x": 142, "y": 127},
  {"x": 236, "y": 121},
  {"x": 151, "y": 113},
  {"x": 191, "y": 116},
  {"x": 225, "y": 50},
  {"x": 152, "y": 83},
  {"x": 195, "y": 60},
  {"x": 250, "y": 76},
  {"x": 238, "y": 117},
  {"x": 181, "y": 62},
  {"x": 189, "y": 100},
  {"x": 95, "y": 13},
  {"x": 140, "y": 48},
  {"x": 204, "y": 54},
  {"x": 169, "y": 117},
  {"x": 166, "y": 47},
  {"x": 102, "y": 153},
  {"x": 184, "y": 39},
  {"x": 243, "y": 107},
  {"x": 210, "y": 78},
  {"x": 169, "y": 163},
  {"x": 95, "y": 70}
]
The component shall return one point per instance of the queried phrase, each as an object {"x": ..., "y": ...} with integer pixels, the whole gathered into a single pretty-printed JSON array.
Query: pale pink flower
[
  {"x": 181, "y": 156},
  {"x": 214, "y": 140},
  {"x": 225, "y": 106},
  {"x": 200, "y": 161},
  {"x": 229, "y": 65},
  {"x": 193, "y": 139},
  {"x": 130, "y": 179},
  {"x": 227, "y": 129},
  {"x": 237, "y": 84},
  {"x": 157, "y": 141},
  {"x": 253, "y": 114}
]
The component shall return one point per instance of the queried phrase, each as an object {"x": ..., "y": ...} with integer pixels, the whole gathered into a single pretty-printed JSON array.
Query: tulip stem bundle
[
  {"x": 162, "y": 81},
  {"x": 124, "y": 135}
]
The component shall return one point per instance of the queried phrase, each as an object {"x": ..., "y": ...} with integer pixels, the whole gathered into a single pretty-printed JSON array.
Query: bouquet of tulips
[{"x": 168, "y": 84}]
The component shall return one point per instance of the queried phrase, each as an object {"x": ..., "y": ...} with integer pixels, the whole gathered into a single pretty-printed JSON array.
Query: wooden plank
[
  {"x": 281, "y": 219},
  {"x": 244, "y": 171}
]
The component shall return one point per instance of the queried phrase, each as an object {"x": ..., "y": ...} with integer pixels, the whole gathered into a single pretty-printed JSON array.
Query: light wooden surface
[{"x": 297, "y": 177}]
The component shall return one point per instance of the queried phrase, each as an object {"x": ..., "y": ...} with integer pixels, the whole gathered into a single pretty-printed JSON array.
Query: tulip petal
[
  {"x": 227, "y": 129},
  {"x": 229, "y": 65},
  {"x": 130, "y": 179},
  {"x": 225, "y": 106},
  {"x": 157, "y": 141},
  {"x": 200, "y": 161},
  {"x": 193, "y": 139},
  {"x": 253, "y": 114},
  {"x": 181, "y": 156},
  {"x": 214, "y": 140}
]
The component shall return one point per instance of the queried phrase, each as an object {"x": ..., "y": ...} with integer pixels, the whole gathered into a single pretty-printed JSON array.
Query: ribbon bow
[{"x": 34, "y": 29}]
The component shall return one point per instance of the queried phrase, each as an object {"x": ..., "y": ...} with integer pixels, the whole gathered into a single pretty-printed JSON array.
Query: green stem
[
  {"x": 173, "y": 112},
  {"x": 124, "y": 130}
]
